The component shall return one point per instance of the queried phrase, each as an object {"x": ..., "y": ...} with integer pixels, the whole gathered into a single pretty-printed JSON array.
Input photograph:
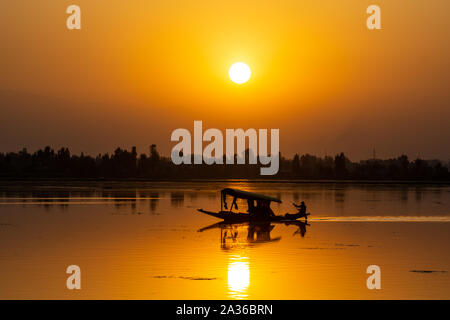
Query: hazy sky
[{"x": 139, "y": 69}]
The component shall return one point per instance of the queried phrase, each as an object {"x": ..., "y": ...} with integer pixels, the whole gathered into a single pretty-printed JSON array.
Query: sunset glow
[
  {"x": 172, "y": 60},
  {"x": 209, "y": 151}
]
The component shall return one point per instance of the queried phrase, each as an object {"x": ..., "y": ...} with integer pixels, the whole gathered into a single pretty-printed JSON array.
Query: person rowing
[
  {"x": 301, "y": 212},
  {"x": 301, "y": 208}
]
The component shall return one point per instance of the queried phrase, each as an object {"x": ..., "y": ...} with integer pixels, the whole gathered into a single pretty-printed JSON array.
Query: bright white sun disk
[{"x": 239, "y": 72}]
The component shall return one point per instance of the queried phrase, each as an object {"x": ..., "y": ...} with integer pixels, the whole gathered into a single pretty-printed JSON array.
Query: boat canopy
[{"x": 240, "y": 194}]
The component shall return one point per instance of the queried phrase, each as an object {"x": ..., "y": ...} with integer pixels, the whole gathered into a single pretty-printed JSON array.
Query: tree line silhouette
[{"x": 124, "y": 164}]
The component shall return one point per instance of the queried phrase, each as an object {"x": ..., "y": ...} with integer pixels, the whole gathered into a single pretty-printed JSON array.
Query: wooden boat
[
  {"x": 259, "y": 212},
  {"x": 225, "y": 224}
]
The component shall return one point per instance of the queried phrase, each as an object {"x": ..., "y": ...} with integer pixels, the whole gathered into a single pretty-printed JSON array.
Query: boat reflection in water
[{"x": 237, "y": 236}]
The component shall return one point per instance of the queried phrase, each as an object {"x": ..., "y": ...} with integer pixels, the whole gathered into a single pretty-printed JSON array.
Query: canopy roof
[{"x": 247, "y": 195}]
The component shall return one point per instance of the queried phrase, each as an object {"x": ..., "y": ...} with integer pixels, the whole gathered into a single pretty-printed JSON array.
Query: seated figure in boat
[
  {"x": 264, "y": 209},
  {"x": 261, "y": 210}
]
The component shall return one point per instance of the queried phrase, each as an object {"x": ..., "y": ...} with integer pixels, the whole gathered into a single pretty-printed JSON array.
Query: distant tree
[
  {"x": 340, "y": 166},
  {"x": 296, "y": 165},
  {"x": 154, "y": 155}
]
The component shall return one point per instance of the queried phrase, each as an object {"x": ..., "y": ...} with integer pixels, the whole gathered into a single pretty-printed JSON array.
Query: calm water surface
[{"x": 147, "y": 241}]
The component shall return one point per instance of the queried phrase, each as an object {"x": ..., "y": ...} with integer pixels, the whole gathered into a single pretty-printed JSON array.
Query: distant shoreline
[{"x": 289, "y": 181}]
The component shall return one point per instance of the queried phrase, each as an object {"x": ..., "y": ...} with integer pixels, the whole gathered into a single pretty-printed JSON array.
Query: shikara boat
[{"x": 260, "y": 211}]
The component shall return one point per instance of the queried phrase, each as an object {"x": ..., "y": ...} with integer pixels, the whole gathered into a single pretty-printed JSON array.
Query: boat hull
[{"x": 244, "y": 217}]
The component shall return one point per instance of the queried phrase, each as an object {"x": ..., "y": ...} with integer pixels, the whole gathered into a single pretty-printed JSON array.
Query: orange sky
[{"x": 139, "y": 69}]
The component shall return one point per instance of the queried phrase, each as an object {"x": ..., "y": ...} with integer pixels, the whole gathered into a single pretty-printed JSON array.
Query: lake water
[{"x": 147, "y": 241}]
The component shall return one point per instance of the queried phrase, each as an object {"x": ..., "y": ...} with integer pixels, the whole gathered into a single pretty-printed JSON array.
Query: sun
[{"x": 239, "y": 72}]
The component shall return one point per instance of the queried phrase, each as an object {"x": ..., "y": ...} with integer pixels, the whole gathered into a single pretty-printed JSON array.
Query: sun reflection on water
[{"x": 238, "y": 277}]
